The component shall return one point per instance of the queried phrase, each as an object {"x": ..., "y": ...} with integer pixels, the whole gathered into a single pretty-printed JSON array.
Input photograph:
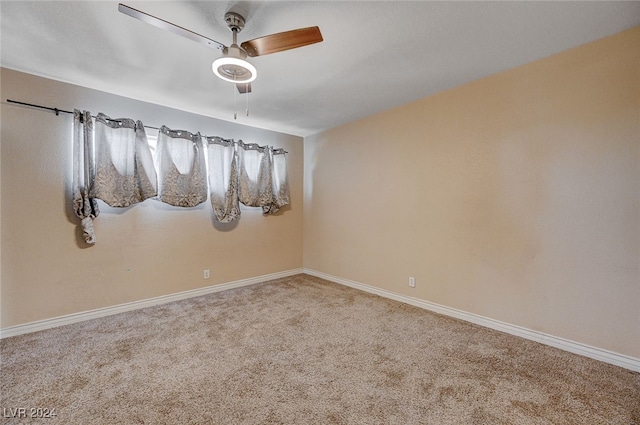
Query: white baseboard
[
  {"x": 121, "y": 308},
  {"x": 606, "y": 356}
]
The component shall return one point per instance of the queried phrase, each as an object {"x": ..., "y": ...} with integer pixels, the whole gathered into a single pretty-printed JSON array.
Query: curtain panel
[
  {"x": 125, "y": 173},
  {"x": 181, "y": 167},
  {"x": 280, "y": 180},
  {"x": 85, "y": 207},
  {"x": 223, "y": 179},
  {"x": 255, "y": 180}
]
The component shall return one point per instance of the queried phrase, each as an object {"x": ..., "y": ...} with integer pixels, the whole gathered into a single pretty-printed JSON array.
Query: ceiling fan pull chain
[
  {"x": 247, "y": 94},
  {"x": 235, "y": 103}
]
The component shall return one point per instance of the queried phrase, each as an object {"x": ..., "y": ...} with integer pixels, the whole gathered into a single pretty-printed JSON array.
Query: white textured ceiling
[{"x": 375, "y": 55}]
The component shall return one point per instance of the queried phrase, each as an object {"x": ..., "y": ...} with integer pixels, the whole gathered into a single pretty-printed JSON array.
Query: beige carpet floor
[{"x": 302, "y": 350}]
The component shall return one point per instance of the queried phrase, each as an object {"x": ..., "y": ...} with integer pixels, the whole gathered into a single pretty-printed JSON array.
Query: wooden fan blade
[
  {"x": 282, "y": 41},
  {"x": 244, "y": 88},
  {"x": 165, "y": 25}
]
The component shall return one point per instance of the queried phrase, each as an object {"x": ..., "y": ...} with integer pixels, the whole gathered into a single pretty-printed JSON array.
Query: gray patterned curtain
[
  {"x": 223, "y": 179},
  {"x": 255, "y": 180},
  {"x": 125, "y": 174},
  {"x": 85, "y": 207},
  {"x": 280, "y": 180},
  {"x": 181, "y": 167}
]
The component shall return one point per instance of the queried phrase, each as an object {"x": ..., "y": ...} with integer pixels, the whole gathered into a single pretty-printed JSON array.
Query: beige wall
[
  {"x": 515, "y": 197},
  {"x": 147, "y": 250}
]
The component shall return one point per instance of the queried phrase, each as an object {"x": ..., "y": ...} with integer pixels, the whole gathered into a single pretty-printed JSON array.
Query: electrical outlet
[
  {"x": 412, "y": 282},
  {"x": 206, "y": 274}
]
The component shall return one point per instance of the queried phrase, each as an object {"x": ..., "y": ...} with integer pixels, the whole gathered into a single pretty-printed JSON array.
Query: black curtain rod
[{"x": 57, "y": 111}]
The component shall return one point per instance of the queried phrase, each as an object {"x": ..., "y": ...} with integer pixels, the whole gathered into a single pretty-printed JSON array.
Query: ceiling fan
[{"x": 232, "y": 66}]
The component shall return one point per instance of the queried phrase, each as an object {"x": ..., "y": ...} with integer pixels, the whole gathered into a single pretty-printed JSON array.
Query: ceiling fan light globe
[{"x": 234, "y": 70}]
